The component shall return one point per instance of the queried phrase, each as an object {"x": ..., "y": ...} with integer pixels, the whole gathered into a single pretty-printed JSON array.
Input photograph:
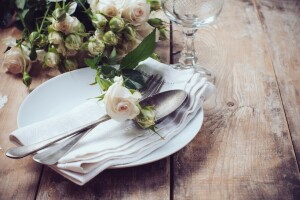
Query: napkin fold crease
[{"x": 117, "y": 143}]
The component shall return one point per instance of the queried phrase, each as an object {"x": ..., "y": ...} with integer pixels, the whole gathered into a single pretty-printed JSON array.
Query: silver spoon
[{"x": 165, "y": 103}]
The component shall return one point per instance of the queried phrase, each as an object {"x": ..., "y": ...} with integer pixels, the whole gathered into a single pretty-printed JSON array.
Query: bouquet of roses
[{"x": 110, "y": 36}]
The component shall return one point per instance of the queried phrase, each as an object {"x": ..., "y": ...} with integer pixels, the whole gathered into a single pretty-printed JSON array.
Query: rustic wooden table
[{"x": 249, "y": 144}]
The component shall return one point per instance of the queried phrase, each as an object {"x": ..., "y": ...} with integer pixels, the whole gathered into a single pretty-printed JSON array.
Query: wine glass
[{"x": 191, "y": 15}]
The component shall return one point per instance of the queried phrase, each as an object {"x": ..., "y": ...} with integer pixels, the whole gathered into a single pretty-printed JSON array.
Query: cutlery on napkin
[{"x": 114, "y": 143}]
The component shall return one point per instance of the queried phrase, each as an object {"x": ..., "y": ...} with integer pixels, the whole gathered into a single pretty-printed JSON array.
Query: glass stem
[{"x": 188, "y": 58}]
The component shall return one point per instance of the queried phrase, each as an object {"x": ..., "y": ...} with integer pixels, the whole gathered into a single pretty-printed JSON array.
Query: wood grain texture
[
  {"x": 18, "y": 178},
  {"x": 244, "y": 150},
  {"x": 281, "y": 22}
]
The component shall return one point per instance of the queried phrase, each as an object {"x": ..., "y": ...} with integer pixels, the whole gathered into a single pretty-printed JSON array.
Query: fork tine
[
  {"x": 153, "y": 87},
  {"x": 157, "y": 86},
  {"x": 149, "y": 80},
  {"x": 150, "y": 86}
]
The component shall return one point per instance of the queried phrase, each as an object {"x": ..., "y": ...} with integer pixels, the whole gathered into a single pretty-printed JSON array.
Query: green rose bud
[
  {"x": 70, "y": 64},
  {"x": 129, "y": 33},
  {"x": 155, "y": 56},
  {"x": 103, "y": 83},
  {"x": 77, "y": 26},
  {"x": 26, "y": 79},
  {"x": 162, "y": 34},
  {"x": 55, "y": 37},
  {"x": 43, "y": 41},
  {"x": 34, "y": 37},
  {"x": 73, "y": 42},
  {"x": 110, "y": 39},
  {"x": 154, "y": 4},
  {"x": 156, "y": 22},
  {"x": 96, "y": 47},
  {"x": 59, "y": 14},
  {"x": 51, "y": 59},
  {"x": 146, "y": 118},
  {"x": 99, "y": 21},
  {"x": 116, "y": 24},
  {"x": 99, "y": 34}
]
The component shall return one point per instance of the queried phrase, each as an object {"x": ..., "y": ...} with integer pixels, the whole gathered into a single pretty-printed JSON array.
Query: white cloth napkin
[{"x": 116, "y": 143}]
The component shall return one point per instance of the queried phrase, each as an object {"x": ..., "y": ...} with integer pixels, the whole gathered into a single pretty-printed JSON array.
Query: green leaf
[
  {"x": 112, "y": 60},
  {"x": 135, "y": 77},
  {"x": 130, "y": 84},
  {"x": 142, "y": 52},
  {"x": 103, "y": 83},
  {"x": 20, "y": 4},
  {"x": 108, "y": 71},
  {"x": 93, "y": 62}
]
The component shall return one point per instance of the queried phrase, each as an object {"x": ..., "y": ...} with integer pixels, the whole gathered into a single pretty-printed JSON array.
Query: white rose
[
  {"x": 107, "y": 7},
  {"x": 120, "y": 103},
  {"x": 15, "y": 61},
  {"x": 93, "y": 4},
  {"x": 64, "y": 26},
  {"x": 136, "y": 12}
]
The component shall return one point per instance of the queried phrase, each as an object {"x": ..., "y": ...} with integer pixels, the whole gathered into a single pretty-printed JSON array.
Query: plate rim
[{"x": 199, "y": 124}]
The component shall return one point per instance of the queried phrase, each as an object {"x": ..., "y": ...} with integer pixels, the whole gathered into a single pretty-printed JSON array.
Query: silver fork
[{"x": 19, "y": 152}]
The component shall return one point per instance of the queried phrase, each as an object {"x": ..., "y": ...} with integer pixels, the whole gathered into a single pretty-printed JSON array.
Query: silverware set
[{"x": 56, "y": 150}]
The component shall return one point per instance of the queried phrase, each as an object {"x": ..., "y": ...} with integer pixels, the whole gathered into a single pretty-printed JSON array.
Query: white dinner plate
[{"x": 64, "y": 92}]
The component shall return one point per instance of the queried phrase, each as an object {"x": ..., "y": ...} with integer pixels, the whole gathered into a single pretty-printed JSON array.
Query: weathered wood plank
[
  {"x": 144, "y": 182},
  {"x": 244, "y": 149},
  {"x": 18, "y": 178},
  {"x": 281, "y": 22}
]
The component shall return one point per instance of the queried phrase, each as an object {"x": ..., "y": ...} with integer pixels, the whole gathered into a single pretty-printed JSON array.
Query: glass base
[{"x": 198, "y": 69}]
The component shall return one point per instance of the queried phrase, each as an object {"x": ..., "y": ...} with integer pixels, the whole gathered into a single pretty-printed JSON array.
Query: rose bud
[
  {"x": 77, "y": 26},
  {"x": 154, "y": 4},
  {"x": 70, "y": 64},
  {"x": 55, "y": 37},
  {"x": 26, "y": 79},
  {"x": 99, "y": 34},
  {"x": 59, "y": 14},
  {"x": 156, "y": 22},
  {"x": 14, "y": 61},
  {"x": 96, "y": 47},
  {"x": 51, "y": 59},
  {"x": 146, "y": 118},
  {"x": 110, "y": 39},
  {"x": 155, "y": 56},
  {"x": 73, "y": 42},
  {"x": 99, "y": 21},
  {"x": 43, "y": 41},
  {"x": 162, "y": 34},
  {"x": 34, "y": 37},
  {"x": 116, "y": 24},
  {"x": 129, "y": 33},
  {"x": 103, "y": 83}
]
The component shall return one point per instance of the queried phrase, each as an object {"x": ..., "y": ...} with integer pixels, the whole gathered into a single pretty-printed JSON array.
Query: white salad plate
[{"x": 64, "y": 92}]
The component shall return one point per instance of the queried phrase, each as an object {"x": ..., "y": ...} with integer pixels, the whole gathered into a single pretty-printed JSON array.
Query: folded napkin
[{"x": 117, "y": 143}]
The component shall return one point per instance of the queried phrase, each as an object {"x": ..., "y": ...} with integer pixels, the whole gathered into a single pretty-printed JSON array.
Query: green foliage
[{"x": 142, "y": 52}]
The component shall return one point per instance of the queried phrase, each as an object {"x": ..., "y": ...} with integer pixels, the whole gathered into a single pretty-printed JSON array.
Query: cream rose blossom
[
  {"x": 120, "y": 103},
  {"x": 64, "y": 26},
  {"x": 136, "y": 12},
  {"x": 15, "y": 61}
]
